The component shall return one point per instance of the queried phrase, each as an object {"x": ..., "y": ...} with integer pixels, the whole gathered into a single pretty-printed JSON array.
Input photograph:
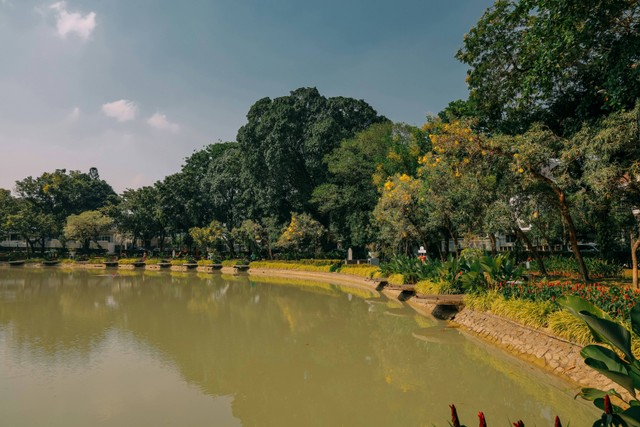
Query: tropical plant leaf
[
  {"x": 635, "y": 319},
  {"x": 576, "y": 304},
  {"x": 622, "y": 379},
  {"x": 631, "y": 416},
  {"x": 609, "y": 357},
  {"x": 615, "y": 334}
]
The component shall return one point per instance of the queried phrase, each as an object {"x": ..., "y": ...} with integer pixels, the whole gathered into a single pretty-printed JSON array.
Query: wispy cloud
[
  {"x": 160, "y": 121},
  {"x": 73, "y": 22},
  {"x": 74, "y": 115},
  {"x": 122, "y": 110}
]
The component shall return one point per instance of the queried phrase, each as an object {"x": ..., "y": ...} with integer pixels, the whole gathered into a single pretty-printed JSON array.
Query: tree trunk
[
  {"x": 445, "y": 238},
  {"x": 635, "y": 244},
  {"x": 494, "y": 248},
  {"x": 568, "y": 220},
  {"x": 573, "y": 237},
  {"x": 455, "y": 244},
  {"x": 523, "y": 236}
]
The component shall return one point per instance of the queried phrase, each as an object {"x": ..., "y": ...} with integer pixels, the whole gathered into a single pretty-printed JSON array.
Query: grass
[
  {"x": 567, "y": 326},
  {"x": 528, "y": 313}
]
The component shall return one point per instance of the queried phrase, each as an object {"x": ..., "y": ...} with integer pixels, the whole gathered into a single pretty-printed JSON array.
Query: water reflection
[{"x": 225, "y": 350}]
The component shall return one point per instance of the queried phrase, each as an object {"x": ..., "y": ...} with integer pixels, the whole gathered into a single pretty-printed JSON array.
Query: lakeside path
[{"x": 537, "y": 347}]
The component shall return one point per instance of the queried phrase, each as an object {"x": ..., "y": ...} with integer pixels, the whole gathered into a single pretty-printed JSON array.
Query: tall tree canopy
[
  {"x": 60, "y": 194},
  {"x": 561, "y": 62},
  {"x": 357, "y": 170},
  {"x": 284, "y": 143}
]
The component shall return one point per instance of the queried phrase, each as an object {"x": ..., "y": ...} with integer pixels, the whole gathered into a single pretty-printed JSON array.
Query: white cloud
[
  {"x": 73, "y": 22},
  {"x": 74, "y": 115},
  {"x": 160, "y": 121},
  {"x": 122, "y": 110}
]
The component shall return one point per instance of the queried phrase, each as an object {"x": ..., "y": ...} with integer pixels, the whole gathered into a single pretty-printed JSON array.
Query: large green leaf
[
  {"x": 615, "y": 334},
  {"x": 619, "y": 378},
  {"x": 631, "y": 416},
  {"x": 576, "y": 304},
  {"x": 609, "y": 357},
  {"x": 635, "y": 319}
]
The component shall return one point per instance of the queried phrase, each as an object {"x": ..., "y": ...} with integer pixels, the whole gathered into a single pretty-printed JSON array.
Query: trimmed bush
[
  {"x": 362, "y": 270},
  {"x": 290, "y": 265}
]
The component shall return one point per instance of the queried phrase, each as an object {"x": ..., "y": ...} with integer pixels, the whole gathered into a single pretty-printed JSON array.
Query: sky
[{"x": 132, "y": 87}]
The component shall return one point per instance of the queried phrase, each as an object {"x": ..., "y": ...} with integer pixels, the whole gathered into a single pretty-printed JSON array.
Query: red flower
[
  {"x": 518, "y": 424},
  {"x": 557, "y": 423},
  {"x": 483, "y": 422},
  {"x": 454, "y": 416},
  {"x": 607, "y": 405}
]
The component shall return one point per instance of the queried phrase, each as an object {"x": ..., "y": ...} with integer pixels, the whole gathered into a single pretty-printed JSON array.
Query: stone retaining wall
[{"x": 547, "y": 351}]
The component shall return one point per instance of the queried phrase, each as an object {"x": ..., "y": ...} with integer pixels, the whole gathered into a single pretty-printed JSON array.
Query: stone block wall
[{"x": 547, "y": 351}]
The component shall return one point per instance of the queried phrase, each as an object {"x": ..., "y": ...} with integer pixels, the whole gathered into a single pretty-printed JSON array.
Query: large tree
[
  {"x": 357, "y": 170},
  {"x": 61, "y": 194},
  {"x": 284, "y": 142},
  {"x": 561, "y": 62},
  {"x": 87, "y": 227},
  {"x": 610, "y": 154}
]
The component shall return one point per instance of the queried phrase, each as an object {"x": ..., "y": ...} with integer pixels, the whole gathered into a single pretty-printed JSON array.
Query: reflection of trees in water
[
  {"x": 286, "y": 355},
  {"x": 54, "y": 312}
]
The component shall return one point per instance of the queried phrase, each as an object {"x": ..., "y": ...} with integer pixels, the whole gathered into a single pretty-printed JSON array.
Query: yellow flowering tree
[
  {"x": 209, "y": 237},
  {"x": 401, "y": 215},
  {"x": 302, "y": 236}
]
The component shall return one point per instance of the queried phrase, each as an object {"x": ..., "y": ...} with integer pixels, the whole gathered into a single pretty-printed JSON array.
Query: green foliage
[
  {"x": 210, "y": 236},
  {"x": 434, "y": 287},
  {"x": 357, "y": 168},
  {"x": 302, "y": 236},
  {"x": 87, "y": 227},
  {"x": 566, "y": 325},
  {"x": 552, "y": 60},
  {"x": 529, "y": 313},
  {"x": 285, "y": 141},
  {"x": 605, "y": 357},
  {"x": 412, "y": 268},
  {"x": 615, "y": 300},
  {"x": 293, "y": 265},
  {"x": 362, "y": 270},
  {"x": 565, "y": 266}
]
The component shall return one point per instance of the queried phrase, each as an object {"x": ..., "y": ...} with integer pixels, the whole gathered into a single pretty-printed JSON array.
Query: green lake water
[{"x": 129, "y": 348}]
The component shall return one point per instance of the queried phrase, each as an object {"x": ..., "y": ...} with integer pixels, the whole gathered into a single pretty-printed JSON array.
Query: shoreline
[{"x": 538, "y": 348}]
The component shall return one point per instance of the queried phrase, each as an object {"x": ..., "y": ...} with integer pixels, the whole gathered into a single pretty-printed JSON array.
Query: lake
[{"x": 141, "y": 348}]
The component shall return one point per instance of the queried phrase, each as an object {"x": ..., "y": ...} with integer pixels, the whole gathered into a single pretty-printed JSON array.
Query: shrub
[
  {"x": 288, "y": 265},
  {"x": 411, "y": 267},
  {"x": 430, "y": 287},
  {"x": 529, "y": 313},
  {"x": 362, "y": 270},
  {"x": 396, "y": 279},
  {"x": 567, "y": 267}
]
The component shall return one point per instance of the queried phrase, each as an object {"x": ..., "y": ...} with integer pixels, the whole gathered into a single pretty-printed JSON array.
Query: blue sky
[{"x": 134, "y": 86}]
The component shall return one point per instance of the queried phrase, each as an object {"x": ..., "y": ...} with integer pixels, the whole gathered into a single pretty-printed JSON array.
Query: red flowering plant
[{"x": 617, "y": 301}]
